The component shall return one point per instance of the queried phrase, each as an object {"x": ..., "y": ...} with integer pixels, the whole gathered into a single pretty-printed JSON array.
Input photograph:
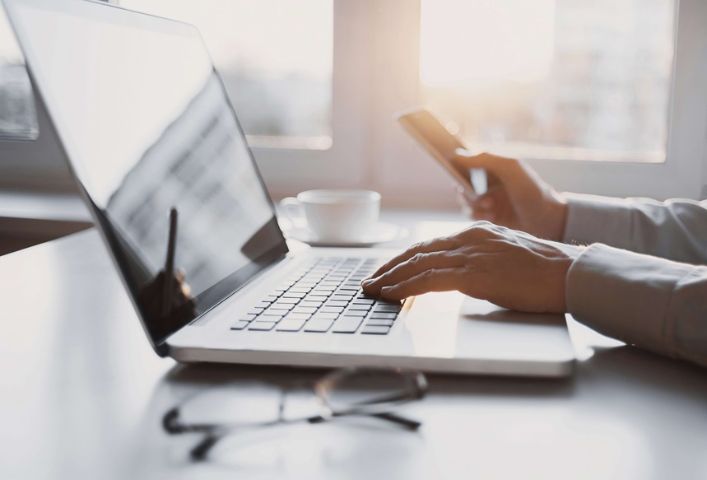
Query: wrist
[
  {"x": 558, "y": 216},
  {"x": 569, "y": 254}
]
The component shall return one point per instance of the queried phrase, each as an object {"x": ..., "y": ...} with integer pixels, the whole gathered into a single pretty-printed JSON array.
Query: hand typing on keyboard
[
  {"x": 325, "y": 296},
  {"x": 507, "y": 267}
]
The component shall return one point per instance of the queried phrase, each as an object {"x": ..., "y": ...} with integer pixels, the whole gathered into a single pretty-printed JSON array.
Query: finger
[
  {"x": 484, "y": 202},
  {"x": 484, "y": 208},
  {"x": 437, "y": 280},
  {"x": 488, "y": 161},
  {"x": 434, "y": 245},
  {"x": 415, "y": 265},
  {"x": 509, "y": 171}
]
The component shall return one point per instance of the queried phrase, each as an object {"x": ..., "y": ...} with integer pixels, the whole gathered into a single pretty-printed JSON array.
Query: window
[
  {"x": 617, "y": 87},
  {"x": 552, "y": 79},
  {"x": 29, "y": 154},
  {"x": 18, "y": 120},
  {"x": 278, "y": 58},
  {"x": 275, "y": 57}
]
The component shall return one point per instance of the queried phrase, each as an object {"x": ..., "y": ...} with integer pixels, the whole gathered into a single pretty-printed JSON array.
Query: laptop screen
[{"x": 154, "y": 143}]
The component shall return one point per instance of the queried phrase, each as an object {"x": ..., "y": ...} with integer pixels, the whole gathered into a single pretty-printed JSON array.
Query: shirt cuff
[
  {"x": 596, "y": 219},
  {"x": 625, "y": 295}
]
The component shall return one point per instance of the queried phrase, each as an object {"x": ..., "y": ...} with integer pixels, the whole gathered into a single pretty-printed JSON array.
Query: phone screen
[{"x": 442, "y": 145}]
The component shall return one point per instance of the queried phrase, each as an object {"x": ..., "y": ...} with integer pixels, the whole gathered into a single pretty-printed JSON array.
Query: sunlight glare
[{"x": 482, "y": 42}]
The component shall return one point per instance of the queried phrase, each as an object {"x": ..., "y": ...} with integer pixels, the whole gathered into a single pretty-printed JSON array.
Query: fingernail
[
  {"x": 366, "y": 282},
  {"x": 386, "y": 290}
]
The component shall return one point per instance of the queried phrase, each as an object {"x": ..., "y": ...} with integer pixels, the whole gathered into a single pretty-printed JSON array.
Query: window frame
[{"x": 343, "y": 164}]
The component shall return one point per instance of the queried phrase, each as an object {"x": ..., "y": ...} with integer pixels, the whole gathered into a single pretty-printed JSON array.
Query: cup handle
[{"x": 292, "y": 210}]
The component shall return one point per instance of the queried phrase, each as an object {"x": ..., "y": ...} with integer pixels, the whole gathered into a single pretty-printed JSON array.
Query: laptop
[{"x": 157, "y": 152}]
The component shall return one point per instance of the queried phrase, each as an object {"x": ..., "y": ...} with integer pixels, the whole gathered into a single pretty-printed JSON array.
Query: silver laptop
[{"x": 157, "y": 152}]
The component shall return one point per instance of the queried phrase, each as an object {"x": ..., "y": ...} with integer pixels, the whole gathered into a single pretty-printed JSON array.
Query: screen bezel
[{"x": 222, "y": 289}]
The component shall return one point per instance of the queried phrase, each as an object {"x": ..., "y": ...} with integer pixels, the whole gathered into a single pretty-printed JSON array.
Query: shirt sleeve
[
  {"x": 653, "y": 303},
  {"x": 675, "y": 229}
]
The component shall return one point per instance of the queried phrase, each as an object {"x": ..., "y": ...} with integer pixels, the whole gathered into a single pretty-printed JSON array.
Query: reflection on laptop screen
[{"x": 147, "y": 128}]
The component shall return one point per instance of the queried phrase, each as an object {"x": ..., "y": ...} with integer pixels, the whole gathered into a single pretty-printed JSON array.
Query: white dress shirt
[{"x": 643, "y": 278}]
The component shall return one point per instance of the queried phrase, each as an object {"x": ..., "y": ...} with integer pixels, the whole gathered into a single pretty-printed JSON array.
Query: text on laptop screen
[{"x": 148, "y": 130}]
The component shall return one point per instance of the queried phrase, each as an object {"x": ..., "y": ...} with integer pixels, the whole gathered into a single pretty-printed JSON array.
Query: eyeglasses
[{"x": 349, "y": 392}]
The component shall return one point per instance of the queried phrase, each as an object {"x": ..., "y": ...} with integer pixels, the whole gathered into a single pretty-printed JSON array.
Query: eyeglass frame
[{"x": 375, "y": 408}]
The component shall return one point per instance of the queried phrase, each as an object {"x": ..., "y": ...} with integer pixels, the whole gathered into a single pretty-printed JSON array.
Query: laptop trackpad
[
  {"x": 492, "y": 331},
  {"x": 452, "y": 324}
]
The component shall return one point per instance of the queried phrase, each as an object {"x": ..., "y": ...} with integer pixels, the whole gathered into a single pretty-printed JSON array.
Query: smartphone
[{"x": 429, "y": 132}]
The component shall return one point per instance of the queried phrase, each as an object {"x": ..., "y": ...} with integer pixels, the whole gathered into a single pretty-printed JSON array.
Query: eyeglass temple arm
[
  {"x": 201, "y": 450},
  {"x": 405, "y": 422},
  {"x": 399, "y": 420}
]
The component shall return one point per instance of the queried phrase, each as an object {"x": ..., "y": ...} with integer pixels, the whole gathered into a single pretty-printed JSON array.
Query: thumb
[
  {"x": 493, "y": 163},
  {"x": 510, "y": 172}
]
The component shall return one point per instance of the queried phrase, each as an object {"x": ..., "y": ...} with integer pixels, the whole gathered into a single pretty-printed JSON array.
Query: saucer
[{"x": 380, "y": 233}]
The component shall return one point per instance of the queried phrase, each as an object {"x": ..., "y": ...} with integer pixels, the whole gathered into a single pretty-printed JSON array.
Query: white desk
[{"x": 82, "y": 393}]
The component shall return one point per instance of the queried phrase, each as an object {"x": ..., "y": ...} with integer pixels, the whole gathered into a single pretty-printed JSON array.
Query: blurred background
[{"x": 603, "y": 97}]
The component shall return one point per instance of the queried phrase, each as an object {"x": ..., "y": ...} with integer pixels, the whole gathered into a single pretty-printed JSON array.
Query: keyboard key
[
  {"x": 363, "y": 301},
  {"x": 387, "y": 308},
  {"x": 316, "y": 298},
  {"x": 364, "y": 308},
  {"x": 290, "y": 325},
  {"x": 261, "y": 326},
  {"x": 297, "y": 316},
  {"x": 348, "y": 293},
  {"x": 304, "y": 310},
  {"x": 331, "y": 309},
  {"x": 321, "y": 293},
  {"x": 330, "y": 316},
  {"x": 278, "y": 309},
  {"x": 262, "y": 304},
  {"x": 270, "y": 317},
  {"x": 349, "y": 289},
  {"x": 318, "y": 324},
  {"x": 341, "y": 298},
  {"x": 374, "y": 330},
  {"x": 384, "y": 315},
  {"x": 307, "y": 303},
  {"x": 255, "y": 311},
  {"x": 356, "y": 313},
  {"x": 347, "y": 324},
  {"x": 247, "y": 318},
  {"x": 286, "y": 300},
  {"x": 239, "y": 325},
  {"x": 380, "y": 322},
  {"x": 299, "y": 289},
  {"x": 336, "y": 303},
  {"x": 293, "y": 295}
]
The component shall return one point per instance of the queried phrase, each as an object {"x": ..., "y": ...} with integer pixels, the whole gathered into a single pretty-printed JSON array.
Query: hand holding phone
[{"x": 429, "y": 132}]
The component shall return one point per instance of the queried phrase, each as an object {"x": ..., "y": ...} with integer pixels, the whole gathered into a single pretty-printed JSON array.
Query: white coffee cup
[{"x": 335, "y": 215}]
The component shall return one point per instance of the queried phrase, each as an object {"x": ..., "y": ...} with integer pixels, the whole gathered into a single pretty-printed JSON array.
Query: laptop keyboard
[{"x": 324, "y": 296}]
